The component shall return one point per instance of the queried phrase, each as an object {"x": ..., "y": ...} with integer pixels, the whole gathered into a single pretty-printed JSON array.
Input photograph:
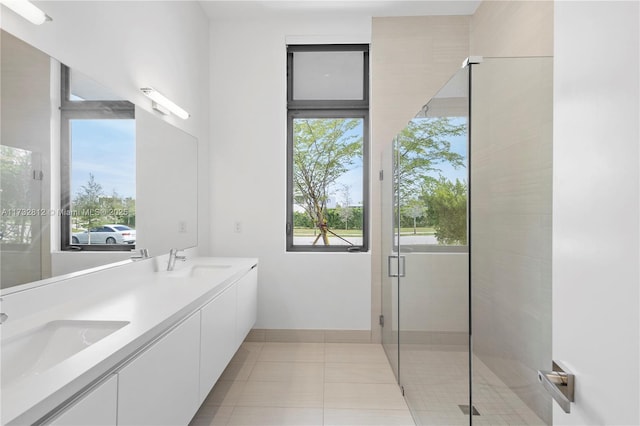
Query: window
[
  {"x": 98, "y": 157},
  {"x": 327, "y": 147}
]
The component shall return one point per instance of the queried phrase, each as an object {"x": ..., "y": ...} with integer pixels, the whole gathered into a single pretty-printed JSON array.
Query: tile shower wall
[
  {"x": 411, "y": 59},
  {"x": 515, "y": 273}
]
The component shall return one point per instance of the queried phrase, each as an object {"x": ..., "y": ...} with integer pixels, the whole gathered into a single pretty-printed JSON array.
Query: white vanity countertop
[{"x": 151, "y": 302}]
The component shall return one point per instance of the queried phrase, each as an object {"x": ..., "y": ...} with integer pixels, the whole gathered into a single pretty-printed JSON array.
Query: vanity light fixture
[
  {"x": 162, "y": 101},
  {"x": 157, "y": 107},
  {"x": 27, "y": 10}
]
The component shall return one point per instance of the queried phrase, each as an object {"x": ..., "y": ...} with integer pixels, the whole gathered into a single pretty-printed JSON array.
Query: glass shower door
[
  {"x": 390, "y": 259},
  {"x": 510, "y": 249},
  {"x": 22, "y": 216},
  {"x": 432, "y": 177},
  {"x": 467, "y": 247}
]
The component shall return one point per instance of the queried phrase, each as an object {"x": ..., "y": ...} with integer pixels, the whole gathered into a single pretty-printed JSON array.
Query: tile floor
[
  {"x": 352, "y": 384},
  {"x": 306, "y": 384},
  {"x": 436, "y": 382}
]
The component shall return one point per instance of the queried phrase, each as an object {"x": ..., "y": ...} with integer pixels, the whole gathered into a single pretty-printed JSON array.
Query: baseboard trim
[{"x": 309, "y": 336}]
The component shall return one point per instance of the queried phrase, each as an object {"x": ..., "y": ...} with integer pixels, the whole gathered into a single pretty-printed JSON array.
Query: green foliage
[
  {"x": 324, "y": 149},
  {"x": 302, "y": 220},
  {"x": 15, "y": 181},
  {"x": 446, "y": 203},
  {"x": 336, "y": 220},
  {"x": 91, "y": 208},
  {"x": 86, "y": 204},
  {"x": 423, "y": 145},
  {"x": 345, "y": 212},
  {"x": 333, "y": 217},
  {"x": 413, "y": 214},
  {"x": 117, "y": 209}
]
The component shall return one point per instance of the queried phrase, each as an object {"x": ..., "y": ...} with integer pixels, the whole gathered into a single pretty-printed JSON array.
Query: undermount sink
[
  {"x": 203, "y": 270},
  {"x": 198, "y": 270},
  {"x": 33, "y": 352}
]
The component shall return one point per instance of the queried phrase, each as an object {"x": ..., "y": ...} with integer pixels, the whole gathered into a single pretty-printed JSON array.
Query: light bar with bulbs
[
  {"x": 27, "y": 10},
  {"x": 163, "y": 101}
]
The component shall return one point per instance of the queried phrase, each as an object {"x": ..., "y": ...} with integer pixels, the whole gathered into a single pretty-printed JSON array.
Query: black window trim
[
  {"x": 358, "y": 109},
  {"x": 74, "y": 110}
]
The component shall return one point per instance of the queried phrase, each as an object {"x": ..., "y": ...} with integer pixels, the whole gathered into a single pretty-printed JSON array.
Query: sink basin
[
  {"x": 35, "y": 351},
  {"x": 204, "y": 270},
  {"x": 199, "y": 270}
]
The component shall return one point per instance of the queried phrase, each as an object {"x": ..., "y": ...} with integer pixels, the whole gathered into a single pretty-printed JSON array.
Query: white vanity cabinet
[
  {"x": 226, "y": 321},
  {"x": 164, "y": 379},
  {"x": 247, "y": 304},
  {"x": 218, "y": 338},
  {"x": 160, "y": 386},
  {"x": 97, "y": 407}
]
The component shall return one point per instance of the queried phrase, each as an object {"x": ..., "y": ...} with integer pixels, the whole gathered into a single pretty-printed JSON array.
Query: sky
[{"x": 106, "y": 149}]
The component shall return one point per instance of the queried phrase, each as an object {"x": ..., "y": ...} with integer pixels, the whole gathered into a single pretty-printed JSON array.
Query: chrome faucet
[
  {"x": 3, "y": 316},
  {"x": 173, "y": 256},
  {"x": 143, "y": 254}
]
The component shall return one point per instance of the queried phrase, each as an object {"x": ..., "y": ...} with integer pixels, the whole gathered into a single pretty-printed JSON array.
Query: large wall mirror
[{"x": 86, "y": 177}]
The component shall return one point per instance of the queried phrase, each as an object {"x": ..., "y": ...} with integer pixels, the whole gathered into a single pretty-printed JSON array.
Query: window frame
[
  {"x": 357, "y": 109},
  {"x": 78, "y": 110}
]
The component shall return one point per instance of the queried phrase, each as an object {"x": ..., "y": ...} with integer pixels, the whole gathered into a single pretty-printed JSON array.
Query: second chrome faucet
[{"x": 173, "y": 256}]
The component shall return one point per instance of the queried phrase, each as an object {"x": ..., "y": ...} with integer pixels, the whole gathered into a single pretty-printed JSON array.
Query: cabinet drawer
[
  {"x": 218, "y": 338},
  {"x": 160, "y": 386}
]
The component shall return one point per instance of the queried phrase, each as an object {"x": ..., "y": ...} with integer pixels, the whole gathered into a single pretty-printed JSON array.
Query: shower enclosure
[{"x": 466, "y": 214}]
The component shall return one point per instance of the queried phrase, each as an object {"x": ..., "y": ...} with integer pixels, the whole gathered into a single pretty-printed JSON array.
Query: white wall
[
  {"x": 596, "y": 208},
  {"x": 128, "y": 45},
  {"x": 248, "y": 175}
]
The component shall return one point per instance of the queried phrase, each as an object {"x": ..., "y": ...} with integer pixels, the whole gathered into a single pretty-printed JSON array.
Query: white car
[
  {"x": 128, "y": 234},
  {"x": 106, "y": 234}
]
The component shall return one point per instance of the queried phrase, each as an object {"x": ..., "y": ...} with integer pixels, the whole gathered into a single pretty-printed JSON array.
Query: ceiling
[{"x": 224, "y": 10}]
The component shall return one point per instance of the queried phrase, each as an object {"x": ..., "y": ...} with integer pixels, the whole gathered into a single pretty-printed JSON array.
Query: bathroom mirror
[{"x": 161, "y": 160}]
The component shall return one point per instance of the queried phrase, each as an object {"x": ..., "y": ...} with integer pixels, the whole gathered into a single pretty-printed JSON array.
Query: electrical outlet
[
  {"x": 182, "y": 227},
  {"x": 237, "y": 227}
]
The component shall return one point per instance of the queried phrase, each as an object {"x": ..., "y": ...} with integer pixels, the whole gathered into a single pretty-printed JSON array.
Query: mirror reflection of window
[
  {"x": 98, "y": 167},
  {"x": 103, "y": 177}
]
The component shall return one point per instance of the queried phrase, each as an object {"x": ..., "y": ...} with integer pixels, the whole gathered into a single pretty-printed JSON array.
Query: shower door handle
[{"x": 401, "y": 266}]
